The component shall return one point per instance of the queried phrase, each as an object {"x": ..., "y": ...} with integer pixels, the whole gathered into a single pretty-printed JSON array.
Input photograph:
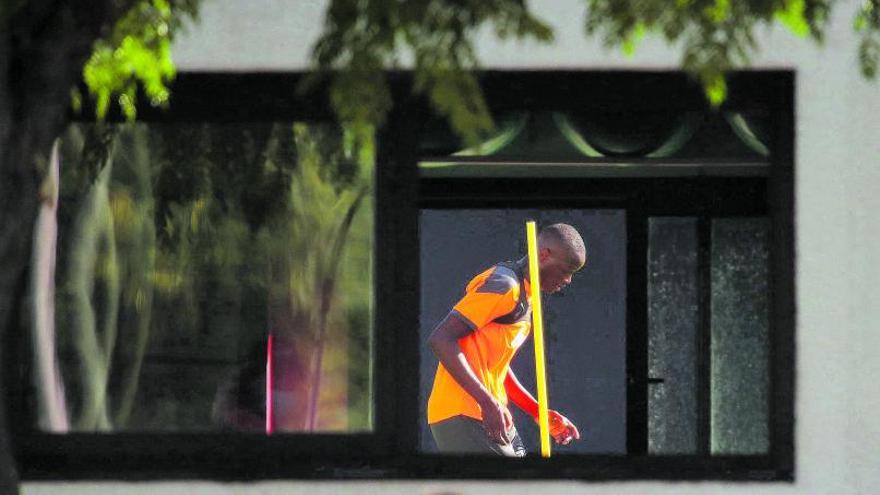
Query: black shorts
[{"x": 465, "y": 435}]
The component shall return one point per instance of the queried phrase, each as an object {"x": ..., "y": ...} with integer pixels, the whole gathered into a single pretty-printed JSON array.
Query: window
[
  {"x": 661, "y": 348},
  {"x": 673, "y": 348},
  {"x": 196, "y": 262},
  {"x": 586, "y": 322}
]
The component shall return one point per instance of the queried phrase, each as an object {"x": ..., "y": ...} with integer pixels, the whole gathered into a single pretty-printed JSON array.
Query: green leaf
[
  {"x": 716, "y": 89},
  {"x": 103, "y": 103},
  {"x": 368, "y": 36},
  {"x": 860, "y": 23},
  {"x": 719, "y": 11},
  {"x": 792, "y": 15},
  {"x": 632, "y": 39},
  {"x": 869, "y": 56},
  {"x": 127, "y": 103},
  {"x": 163, "y": 7},
  {"x": 136, "y": 54}
]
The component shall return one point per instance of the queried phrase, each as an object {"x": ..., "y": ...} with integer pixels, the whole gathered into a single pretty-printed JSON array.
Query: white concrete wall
[{"x": 838, "y": 235}]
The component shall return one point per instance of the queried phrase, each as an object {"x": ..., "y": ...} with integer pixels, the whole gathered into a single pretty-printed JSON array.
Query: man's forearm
[{"x": 519, "y": 395}]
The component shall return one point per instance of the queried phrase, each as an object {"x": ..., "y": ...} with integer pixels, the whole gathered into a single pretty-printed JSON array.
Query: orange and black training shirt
[{"x": 496, "y": 306}]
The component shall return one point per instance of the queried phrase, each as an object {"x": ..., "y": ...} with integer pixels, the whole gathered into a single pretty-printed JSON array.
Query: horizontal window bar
[{"x": 590, "y": 169}]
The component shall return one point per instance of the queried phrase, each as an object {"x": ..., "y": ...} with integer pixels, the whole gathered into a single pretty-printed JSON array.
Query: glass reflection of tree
[
  {"x": 305, "y": 249},
  {"x": 107, "y": 254},
  {"x": 194, "y": 240}
]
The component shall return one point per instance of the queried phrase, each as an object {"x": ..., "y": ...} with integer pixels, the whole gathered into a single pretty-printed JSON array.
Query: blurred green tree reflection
[{"x": 181, "y": 247}]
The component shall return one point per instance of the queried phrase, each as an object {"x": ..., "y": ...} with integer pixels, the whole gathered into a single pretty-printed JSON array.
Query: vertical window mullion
[
  {"x": 396, "y": 238},
  {"x": 637, "y": 331}
]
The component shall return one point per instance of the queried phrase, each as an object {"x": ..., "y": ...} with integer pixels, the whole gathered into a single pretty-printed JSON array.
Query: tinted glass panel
[
  {"x": 739, "y": 341},
  {"x": 208, "y": 276},
  {"x": 673, "y": 323}
]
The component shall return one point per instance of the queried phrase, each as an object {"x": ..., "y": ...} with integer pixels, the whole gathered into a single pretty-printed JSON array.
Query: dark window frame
[{"x": 391, "y": 451}]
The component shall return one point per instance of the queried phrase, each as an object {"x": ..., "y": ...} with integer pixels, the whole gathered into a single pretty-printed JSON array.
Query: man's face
[{"x": 557, "y": 269}]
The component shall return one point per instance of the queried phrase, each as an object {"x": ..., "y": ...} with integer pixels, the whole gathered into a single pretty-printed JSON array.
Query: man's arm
[
  {"x": 562, "y": 430},
  {"x": 520, "y": 396},
  {"x": 444, "y": 342}
]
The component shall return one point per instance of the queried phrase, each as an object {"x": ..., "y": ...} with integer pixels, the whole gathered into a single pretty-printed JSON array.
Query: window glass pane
[
  {"x": 189, "y": 257},
  {"x": 673, "y": 323},
  {"x": 739, "y": 340},
  {"x": 585, "y": 323}
]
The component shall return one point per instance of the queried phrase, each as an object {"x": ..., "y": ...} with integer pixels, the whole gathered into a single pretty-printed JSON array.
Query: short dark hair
[{"x": 566, "y": 236}]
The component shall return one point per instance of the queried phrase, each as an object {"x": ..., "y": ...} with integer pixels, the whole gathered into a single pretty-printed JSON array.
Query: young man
[{"x": 467, "y": 409}]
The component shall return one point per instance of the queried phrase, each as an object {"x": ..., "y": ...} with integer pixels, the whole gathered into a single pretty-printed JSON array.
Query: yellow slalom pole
[{"x": 538, "y": 329}]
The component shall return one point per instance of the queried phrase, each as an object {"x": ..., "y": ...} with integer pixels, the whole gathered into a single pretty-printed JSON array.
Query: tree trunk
[
  {"x": 326, "y": 298},
  {"x": 95, "y": 339},
  {"x": 43, "y": 46},
  {"x": 141, "y": 266},
  {"x": 52, "y": 415}
]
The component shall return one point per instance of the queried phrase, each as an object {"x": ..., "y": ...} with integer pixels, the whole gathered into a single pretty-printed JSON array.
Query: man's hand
[
  {"x": 497, "y": 421},
  {"x": 561, "y": 429}
]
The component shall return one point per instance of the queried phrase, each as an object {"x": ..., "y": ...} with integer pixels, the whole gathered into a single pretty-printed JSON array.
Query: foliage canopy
[
  {"x": 363, "y": 38},
  {"x": 137, "y": 52}
]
